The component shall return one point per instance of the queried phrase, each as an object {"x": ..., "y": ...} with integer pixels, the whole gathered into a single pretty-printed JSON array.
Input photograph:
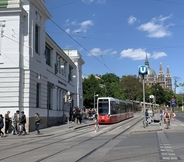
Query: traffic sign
[{"x": 143, "y": 70}]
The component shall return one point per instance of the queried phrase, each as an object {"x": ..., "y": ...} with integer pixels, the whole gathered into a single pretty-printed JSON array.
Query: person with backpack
[
  {"x": 1, "y": 126},
  {"x": 22, "y": 124},
  {"x": 15, "y": 121}
]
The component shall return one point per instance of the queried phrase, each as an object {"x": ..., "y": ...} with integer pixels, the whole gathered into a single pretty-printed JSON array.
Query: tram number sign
[{"x": 143, "y": 70}]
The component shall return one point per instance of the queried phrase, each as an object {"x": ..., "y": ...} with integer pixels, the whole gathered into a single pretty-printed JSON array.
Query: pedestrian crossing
[{"x": 165, "y": 149}]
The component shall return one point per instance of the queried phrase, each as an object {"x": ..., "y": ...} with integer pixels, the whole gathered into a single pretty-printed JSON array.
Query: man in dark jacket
[
  {"x": 7, "y": 121},
  {"x": 1, "y": 126},
  {"x": 22, "y": 124}
]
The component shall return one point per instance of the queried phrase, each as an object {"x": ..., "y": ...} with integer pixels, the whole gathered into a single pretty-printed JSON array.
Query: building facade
[
  {"x": 152, "y": 78},
  {"x": 36, "y": 75}
]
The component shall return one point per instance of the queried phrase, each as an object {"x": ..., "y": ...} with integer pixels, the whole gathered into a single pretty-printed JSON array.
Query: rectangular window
[
  {"x": 70, "y": 74},
  {"x": 37, "y": 38},
  {"x": 48, "y": 55},
  {"x": 38, "y": 95},
  {"x": 64, "y": 63},
  {"x": 49, "y": 96}
]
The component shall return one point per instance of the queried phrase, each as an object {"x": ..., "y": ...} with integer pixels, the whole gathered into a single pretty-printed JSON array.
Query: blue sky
[{"x": 113, "y": 36}]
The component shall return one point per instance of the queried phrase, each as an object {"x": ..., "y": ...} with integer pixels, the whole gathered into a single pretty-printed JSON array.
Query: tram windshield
[{"x": 103, "y": 106}]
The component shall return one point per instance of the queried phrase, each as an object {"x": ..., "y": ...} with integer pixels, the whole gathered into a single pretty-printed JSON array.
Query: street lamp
[{"x": 94, "y": 98}]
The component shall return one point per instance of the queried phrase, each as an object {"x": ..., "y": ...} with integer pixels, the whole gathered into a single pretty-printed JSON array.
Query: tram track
[
  {"x": 96, "y": 149},
  {"x": 69, "y": 137},
  {"x": 88, "y": 154},
  {"x": 31, "y": 140}
]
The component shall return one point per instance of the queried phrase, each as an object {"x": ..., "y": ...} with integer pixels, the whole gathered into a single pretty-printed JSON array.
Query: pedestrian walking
[
  {"x": 15, "y": 120},
  {"x": 96, "y": 123},
  {"x": 22, "y": 124},
  {"x": 84, "y": 116},
  {"x": 78, "y": 116},
  {"x": 161, "y": 114},
  {"x": 37, "y": 123},
  {"x": 7, "y": 122},
  {"x": 2, "y": 134},
  {"x": 167, "y": 118}
]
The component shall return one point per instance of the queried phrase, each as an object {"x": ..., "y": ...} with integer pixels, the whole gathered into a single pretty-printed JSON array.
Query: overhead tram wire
[
  {"x": 73, "y": 39},
  {"x": 64, "y": 4}
]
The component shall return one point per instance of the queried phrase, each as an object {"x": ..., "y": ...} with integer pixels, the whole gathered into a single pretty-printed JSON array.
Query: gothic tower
[
  {"x": 161, "y": 80},
  {"x": 168, "y": 79}
]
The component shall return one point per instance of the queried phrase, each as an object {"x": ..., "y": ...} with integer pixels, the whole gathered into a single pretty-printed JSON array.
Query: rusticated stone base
[{"x": 30, "y": 125}]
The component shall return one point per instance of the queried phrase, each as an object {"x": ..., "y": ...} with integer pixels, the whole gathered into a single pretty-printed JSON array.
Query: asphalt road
[{"x": 113, "y": 143}]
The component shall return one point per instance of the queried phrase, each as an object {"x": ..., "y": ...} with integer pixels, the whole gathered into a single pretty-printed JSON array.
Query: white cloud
[
  {"x": 157, "y": 55},
  {"x": 101, "y": 1},
  {"x": 67, "y": 30},
  {"x": 87, "y": 1},
  {"x": 97, "y": 1},
  {"x": 99, "y": 52},
  {"x": 83, "y": 26},
  {"x": 156, "y": 28},
  {"x": 114, "y": 52},
  {"x": 140, "y": 54},
  {"x": 131, "y": 20},
  {"x": 135, "y": 54}
]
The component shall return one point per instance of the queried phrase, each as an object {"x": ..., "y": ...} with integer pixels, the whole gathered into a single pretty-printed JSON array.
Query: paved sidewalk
[
  {"x": 158, "y": 126},
  {"x": 154, "y": 126},
  {"x": 54, "y": 130}
]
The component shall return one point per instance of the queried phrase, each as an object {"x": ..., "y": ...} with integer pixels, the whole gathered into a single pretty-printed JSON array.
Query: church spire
[
  {"x": 168, "y": 72},
  {"x": 146, "y": 61},
  {"x": 161, "y": 76},
  {"x": 160, "y": 66},
  {"x": 168, "y": 79}
]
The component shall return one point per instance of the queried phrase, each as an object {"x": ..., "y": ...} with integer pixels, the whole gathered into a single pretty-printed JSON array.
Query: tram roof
[{"x": 114, "y": 99}]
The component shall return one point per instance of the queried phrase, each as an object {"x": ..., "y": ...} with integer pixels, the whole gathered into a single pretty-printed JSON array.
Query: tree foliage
[
  {"x": 128, "y": 87},
  {"x": 132, "y": 87}
]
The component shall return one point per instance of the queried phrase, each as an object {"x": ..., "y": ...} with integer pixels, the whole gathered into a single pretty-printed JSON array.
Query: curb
[
  {"x": 146, "y": 131},
  {"x": 81, "y": 126}
]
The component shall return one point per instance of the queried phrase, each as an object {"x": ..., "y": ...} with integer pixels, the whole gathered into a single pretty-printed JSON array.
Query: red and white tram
[{"x": 111, "y": 110}]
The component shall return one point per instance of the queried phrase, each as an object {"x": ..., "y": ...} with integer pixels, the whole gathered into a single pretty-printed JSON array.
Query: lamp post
[
  {"x": 94, "y": 98},
  {"x": 143, "y": 70},
  {"x": 152, "y": 99}
]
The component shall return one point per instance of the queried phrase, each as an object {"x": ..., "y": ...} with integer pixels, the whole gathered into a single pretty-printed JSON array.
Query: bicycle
[
  {"x": 167, "y": 122},
  {"x": 145, "y": 123}
]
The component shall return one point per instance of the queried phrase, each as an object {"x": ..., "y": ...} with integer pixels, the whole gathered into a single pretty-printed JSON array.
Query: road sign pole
[
  {"x": 143, "y": 70},
  {"x": 143, "y": 97}
]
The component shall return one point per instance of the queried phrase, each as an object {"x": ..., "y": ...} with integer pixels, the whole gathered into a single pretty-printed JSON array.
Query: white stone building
[{"x": 36, "y": 75}]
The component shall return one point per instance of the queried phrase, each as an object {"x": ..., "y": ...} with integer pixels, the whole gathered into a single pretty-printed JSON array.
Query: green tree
[
  {"x": 90, "y": 86},
  {"x": 111, "y": 87},
  {"x": 159, "y": 94},
  {"x": 132, "y": 87}
]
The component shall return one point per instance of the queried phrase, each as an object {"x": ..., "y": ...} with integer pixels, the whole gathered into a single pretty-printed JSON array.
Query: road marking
[
  {"x": 166, "y": 151},
  {"x": 119, "y": 127},
  {"x": 127, "y": 127}
]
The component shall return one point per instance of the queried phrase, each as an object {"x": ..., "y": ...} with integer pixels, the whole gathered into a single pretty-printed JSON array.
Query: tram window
[
  {"x": 113, "y": 107},
  {"x": 103, "y": 107},
  {"x": 122, "y": 107},
  {"x": 128, "y": 107}
]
